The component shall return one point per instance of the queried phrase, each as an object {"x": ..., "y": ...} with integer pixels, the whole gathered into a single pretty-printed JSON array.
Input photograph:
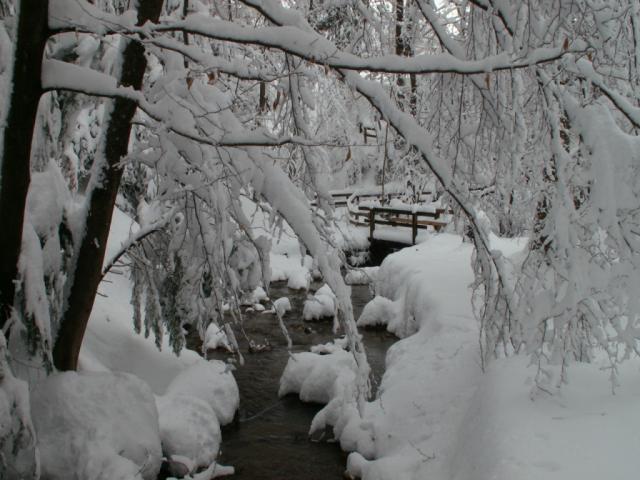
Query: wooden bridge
[{"x": 370, "y": 208}]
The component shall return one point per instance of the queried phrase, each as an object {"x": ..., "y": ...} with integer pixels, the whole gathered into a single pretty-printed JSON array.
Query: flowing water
[{"x": 269, "y": 439}]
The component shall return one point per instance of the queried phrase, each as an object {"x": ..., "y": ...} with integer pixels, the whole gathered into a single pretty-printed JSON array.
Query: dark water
[{"x": 269, "y": 440}]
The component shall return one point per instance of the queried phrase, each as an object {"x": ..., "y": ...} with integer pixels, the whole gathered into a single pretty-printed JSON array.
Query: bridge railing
[
  {"x": 408, "y": 216},
  {"x": 402, "y": 218}
]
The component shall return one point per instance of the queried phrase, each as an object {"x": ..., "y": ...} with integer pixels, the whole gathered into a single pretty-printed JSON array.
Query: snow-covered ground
[
  {"x": 106, "y": 422},
  {"x": 438, "y": 416}
]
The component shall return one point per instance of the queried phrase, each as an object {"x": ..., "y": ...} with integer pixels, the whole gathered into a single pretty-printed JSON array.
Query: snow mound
[
  {"x": 336, "y": 345},
  {"x": 317, "y": 377},
  {"x": 321, "y": 305},
  {"x": 96, "y": 426},
  {"x": 288, "y": 265},
  {"x": 256, "y": 296},
  {"x": 197, "y": 402},
  {"x": 361, "y": 276},
  {"x": 298, "y": 278},
  {"x": 190, "y": 433},
  {"x": 379, "y": 311},
  {"x": 282, "y": 305},
  {"x": 327, "y": 375},
  {"x": 213, "y": 383},
  {"x": 215, "y": 338}
]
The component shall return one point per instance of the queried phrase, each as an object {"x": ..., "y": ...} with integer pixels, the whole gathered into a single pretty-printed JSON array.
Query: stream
[{"x": 269, "y": 440}]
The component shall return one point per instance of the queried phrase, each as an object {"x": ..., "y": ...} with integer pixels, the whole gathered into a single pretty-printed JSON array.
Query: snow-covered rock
[
  {"x": 282, "y": 305},
  {"x": 361, "y": 276},
  {"x": 379, "y": 311},
  {"x": 190, "y": 432},
  {"x": 254, "y": 297},
  {"x": 197, "y": 402},
  {"x": 298, "y": 278},
  {"x": 96, "y": 426},
  {"x": 215, "y": 338},
  {"x": 317, "y": 377},
  {"x": 321, "y": 305},
  {"x": 213, "y": 383}
]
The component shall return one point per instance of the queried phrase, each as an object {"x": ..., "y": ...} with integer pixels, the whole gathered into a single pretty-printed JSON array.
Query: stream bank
[{"x": 269, "y": 440}]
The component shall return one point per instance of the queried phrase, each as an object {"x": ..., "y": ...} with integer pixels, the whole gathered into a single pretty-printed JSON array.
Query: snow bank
[
  {"x": 327, "y": 375},
  {"x": 96, "y": 426},
  {"x": 321, "y": 305},
  {"x": 409, "y": 431},
  {"x": 18, "y": 452},
  {"x": 438, "y": 416},
  {"x": 414, "y": 283},
  {"x": 582, "y": 432}
]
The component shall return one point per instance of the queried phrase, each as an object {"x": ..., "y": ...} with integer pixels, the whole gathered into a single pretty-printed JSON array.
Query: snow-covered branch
[
  {"x": 316, "y": 49},
  {"x": 309, "y": 45},
  {"x": 136, "y": 238},
  {"x": 58, "y": 75}
]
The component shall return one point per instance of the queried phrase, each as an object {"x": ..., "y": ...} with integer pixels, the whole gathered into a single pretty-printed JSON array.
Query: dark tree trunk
[
  {"x": 400, "y": 42},
  {"x": 404, "y": 48},
  {"x": 31, "y": 37},
  {"x": 88, "y": 268}
]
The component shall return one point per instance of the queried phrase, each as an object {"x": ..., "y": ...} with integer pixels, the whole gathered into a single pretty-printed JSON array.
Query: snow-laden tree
[{"x": 525, "y": 112}]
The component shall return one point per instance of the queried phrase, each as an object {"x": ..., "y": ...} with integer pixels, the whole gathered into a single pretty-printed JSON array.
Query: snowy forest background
[{"x": 523, "y": 115}]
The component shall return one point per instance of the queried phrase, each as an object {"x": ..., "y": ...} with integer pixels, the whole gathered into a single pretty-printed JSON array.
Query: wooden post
[
  {"x": 372, "y": 223},
  {"x": 414, "y": 228}
]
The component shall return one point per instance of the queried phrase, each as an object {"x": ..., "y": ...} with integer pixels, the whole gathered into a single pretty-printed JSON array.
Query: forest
[{"x": 184, "y": 156}]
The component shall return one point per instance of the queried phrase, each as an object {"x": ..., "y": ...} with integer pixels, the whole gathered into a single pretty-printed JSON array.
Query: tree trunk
[
  {"x": 400, "y": 44},
  {"x": 101, "y": 201},
  {"x": 31, "y": 37}
]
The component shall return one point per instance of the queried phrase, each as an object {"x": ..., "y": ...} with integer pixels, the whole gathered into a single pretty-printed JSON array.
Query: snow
[
  {"x": 96, "y": 426},
  {"x": 213, "y": 383},
  {"x": 82, "y": 15},
  {"x": 292, "y": 268},
  {"x": 379, "y": 311},
  {"x": 437, "y": 415},
  {"x": 581, "y": 432},
  {"x": 215, "y": 338},
  {"x": 110, "y": 342},
  {"x": 18, "y": 451},
  {"x": 282, "y": 305},
  {"x": 315, "y": 48},
  {"x": 361, "y": 276},
  {"x": 195, "y": 396},
  {"x": 321, "y": 305},
  {"x": 190, "y": 433},
  {"x": 317, "y": 377}
]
